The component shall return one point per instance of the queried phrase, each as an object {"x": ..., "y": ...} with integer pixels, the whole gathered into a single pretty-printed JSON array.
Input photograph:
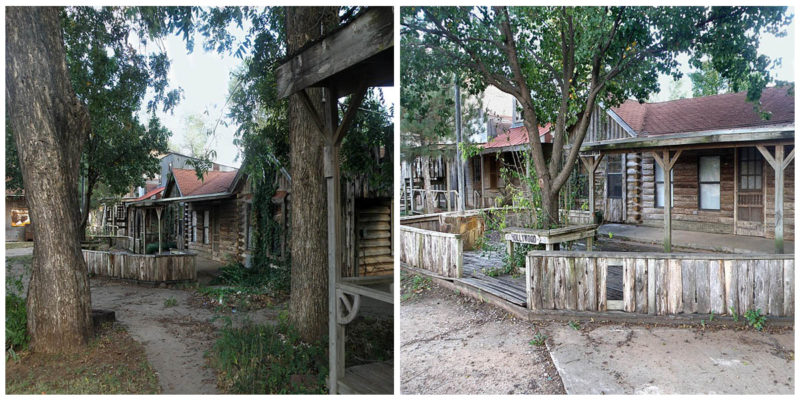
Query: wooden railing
[
  {"x": 433, "y": 251},
  {"x": 662, "y": 283},
  {"x": 140, "y": 267}
]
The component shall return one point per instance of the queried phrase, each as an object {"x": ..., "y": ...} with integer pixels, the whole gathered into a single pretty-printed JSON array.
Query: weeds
[
  {"x": 170, "y": 302},
  {"x": 269, "y": 359},
  {"x": 414, "y": 285},
  {"x": 734, "y": 314},
  {"x": 755, "y": 319},
  {"x": 574, "y": 325},
  {"x": 538, "y": 340}
]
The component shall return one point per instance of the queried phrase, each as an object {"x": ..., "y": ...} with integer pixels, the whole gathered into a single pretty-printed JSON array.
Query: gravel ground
[
  {"x": 451, "y": 344},
  {"x": 175, "y": 337}
]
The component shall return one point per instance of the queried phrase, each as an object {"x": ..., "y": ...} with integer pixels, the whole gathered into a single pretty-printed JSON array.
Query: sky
[
  {"x": 773, "y": 47},
  {"x": 204, "y": 78}
]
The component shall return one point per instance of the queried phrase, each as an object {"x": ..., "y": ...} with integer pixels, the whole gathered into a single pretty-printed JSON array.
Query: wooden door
[
  {"x": 615, "y": 189},
  {"x": 750, "y": 192}
]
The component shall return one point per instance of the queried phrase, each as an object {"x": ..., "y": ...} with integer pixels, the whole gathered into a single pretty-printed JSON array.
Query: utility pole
[{"x": 459, "y": 162}]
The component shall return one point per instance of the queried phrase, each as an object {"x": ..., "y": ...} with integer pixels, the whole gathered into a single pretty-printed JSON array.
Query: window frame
[
  {"x": 700, "y": 183},
  {"x": 206, "y": 227},
  {"x": 656, "y": 182},
  {"x": 616, "y": 175}
]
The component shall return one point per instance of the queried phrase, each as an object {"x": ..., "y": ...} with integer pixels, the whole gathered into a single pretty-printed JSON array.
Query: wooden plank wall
[
  {"x": 437, "y": 252},
  {"x": 140, "y": 267},
  {"x": 660, "y": 283}
]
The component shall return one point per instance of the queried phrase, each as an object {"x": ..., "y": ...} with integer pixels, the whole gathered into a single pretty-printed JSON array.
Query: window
[
  {"x": 206, "y": 219},
  {"x": 750, "y": 169},
  {"x": 614, "y": 176},
  {"x": 709, "y": 182},
  {"x": 660, "y": 187},
  {"x": 194, "y": 226},
  {"x": 476, "y": 170}
]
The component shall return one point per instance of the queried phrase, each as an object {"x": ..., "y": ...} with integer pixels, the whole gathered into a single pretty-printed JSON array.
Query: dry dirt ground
[
  {"x": 451, "y": 344},
  {"x": 175, "y": 337}
]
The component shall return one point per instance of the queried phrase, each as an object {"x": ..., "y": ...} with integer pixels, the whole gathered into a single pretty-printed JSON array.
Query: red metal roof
[
  {"x": 213, "y": 181},
  {"x": 155, "y": 192},
  {"x": 516, "y": 136},
  {"x": 725, "y": 111}
]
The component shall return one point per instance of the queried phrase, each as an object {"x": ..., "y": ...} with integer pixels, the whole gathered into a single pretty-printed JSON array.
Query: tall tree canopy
[{"x": 560, "y": 62}]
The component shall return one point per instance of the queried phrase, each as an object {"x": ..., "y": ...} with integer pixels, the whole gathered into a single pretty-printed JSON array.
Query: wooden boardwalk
[
  {"x": 507, "y": 287},
  {"x": 512, "y": 288}
]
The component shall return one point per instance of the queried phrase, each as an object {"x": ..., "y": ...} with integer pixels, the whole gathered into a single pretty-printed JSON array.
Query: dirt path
[
  {"x": 451, "y": 344},
  {"x": 175, "y": 338}
]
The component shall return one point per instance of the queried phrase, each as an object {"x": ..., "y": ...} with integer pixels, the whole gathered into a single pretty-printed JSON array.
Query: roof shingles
[
  {"x": 725, "y": 111},
  {"x": 213, "y": 181}
]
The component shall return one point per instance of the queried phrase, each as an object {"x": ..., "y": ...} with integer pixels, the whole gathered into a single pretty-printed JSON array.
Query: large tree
[
  {"x": 561, "y": 62},
  {"x": 308, "y": 307},
  {"x": 50, "y": 126},
  {"x": 74, "y": 84}
]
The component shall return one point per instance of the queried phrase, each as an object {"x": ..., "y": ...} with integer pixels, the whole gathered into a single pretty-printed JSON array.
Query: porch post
[
  {"x": 591, "y": 163},
  {"x": 483, "y": 186},
  {"x": 331, "y": 169},
  {"x": 778, "y": 164},
  {"x": 158, "y": 215},
  {"x": 666, "y": 162}
]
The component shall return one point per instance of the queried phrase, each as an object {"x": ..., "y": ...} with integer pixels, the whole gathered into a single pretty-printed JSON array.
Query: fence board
[{"x": 641, "y": 278}]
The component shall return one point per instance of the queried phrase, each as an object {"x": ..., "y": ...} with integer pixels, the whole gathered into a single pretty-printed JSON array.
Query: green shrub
[
  {"x": 269, "y": 359},
  {"x": 16, "y": 323}
]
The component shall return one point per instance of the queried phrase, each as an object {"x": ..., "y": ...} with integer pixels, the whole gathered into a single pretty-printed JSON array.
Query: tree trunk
[
  {"x": 87, "y": 199},
  {"x": 49, "y": 126},
  {"x": 428, "y": 204},
  {"x": 308, "y": 305},
  {"x": 549, "y": 216}
]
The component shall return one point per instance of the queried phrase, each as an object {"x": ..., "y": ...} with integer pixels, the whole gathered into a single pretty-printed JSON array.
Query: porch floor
[{"x": 700, "y": 241}]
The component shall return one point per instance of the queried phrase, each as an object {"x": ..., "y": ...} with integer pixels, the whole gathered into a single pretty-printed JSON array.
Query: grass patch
[
  {"x": 242, "y": 298},
  {"x": 170, "y": 302},
  {"x": 269, "y": 360},
  {"x": 113, "y": 363},
  {"x": 18, "y": 245}
]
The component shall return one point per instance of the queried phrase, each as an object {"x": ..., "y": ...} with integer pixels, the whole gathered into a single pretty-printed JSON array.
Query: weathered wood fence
[
  {"x": 433, "y": 251},
  {"x": 662, "y": 283},
  {"x": 141, "y": 267}
]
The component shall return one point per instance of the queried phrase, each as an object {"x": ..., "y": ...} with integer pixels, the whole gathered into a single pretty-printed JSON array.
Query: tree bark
[
  {"x": 49, "y": 125},
  {"x": 308, "y": 304}
]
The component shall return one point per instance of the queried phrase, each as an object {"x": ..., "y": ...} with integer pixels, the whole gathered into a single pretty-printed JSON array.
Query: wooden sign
[
  {"x": 19, "y": 217},
  {"x": 528, "y": 238}
]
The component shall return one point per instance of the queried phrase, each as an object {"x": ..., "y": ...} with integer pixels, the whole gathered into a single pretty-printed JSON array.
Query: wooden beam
[
  {"x": 591, "y": 163},
  {"x": 767, "y": 156},
  {"x": 353, "y": 47},
  {"x": 311, "y": 110},
  {"x": 350, "y": 114},
  {"x": 788, "y": 159},
  {"x": 779, "y": 199}
]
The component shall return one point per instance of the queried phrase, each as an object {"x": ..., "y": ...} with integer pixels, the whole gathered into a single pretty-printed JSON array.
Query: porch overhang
[
  {"x": 667, "y": 148},
  {"x": 768, "y": 135}
]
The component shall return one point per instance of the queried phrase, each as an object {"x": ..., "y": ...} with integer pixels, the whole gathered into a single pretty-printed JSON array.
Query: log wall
[
  {"x": 437, "y": 252},
  {"x": 141, "y": 267},
  {"x": 663, "y": 283}
]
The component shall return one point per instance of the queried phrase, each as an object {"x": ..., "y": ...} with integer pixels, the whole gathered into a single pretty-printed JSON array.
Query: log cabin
[{"x": 716, "y": 154}]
